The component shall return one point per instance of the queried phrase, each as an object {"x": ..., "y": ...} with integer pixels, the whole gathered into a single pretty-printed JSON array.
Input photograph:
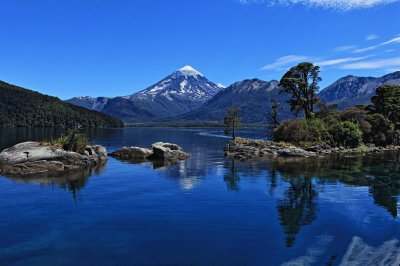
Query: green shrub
[
  {"x": 78, "y": 141},
  {"x": 302, "y": 131},
  {"x": 347, "y": 134},
  {"x": 61, "y": 142}
]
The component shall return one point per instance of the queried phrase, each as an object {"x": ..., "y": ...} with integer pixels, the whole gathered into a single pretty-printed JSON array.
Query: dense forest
[{"x": 20, "y": 107}]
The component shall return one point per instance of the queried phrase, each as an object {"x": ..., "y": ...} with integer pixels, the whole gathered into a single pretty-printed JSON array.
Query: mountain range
[
  {"x": 252, "y": 96},
  {"x": 351, "y": 90},
  {"x": 183, "y": 91},
  {"x": 187, "y": 94}
]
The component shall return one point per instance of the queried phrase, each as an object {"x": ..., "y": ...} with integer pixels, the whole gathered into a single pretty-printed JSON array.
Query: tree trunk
[{"x": 233, "y": 131}]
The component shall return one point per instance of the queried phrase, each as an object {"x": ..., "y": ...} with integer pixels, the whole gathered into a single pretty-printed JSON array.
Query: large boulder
[
  {"x": 168, "y": 152},
  {"x": 35, "y": 157},
  {"x": 127, "y": 153},
  {"x": 160, "y": 153},
  {"x": 30, "y": 152}
]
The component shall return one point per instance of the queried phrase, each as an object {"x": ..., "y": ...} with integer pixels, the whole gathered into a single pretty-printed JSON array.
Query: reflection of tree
[
  {"x": 384, "y": 196},
  {"x": 75, "y": 182},
  {"x": 298, "y": 208},
  {"x": 231, "y": 176},
  {"x": 385, "y": 184},
  {"x": 273, "y": 176},
  {"x": 381, "y": 172}
]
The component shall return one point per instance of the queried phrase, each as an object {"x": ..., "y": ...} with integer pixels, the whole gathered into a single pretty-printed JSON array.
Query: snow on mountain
[
  {"x": 184, "y": 84},
  {"x": 189, "y": 71},
  {"x": 182, "y": 91}
]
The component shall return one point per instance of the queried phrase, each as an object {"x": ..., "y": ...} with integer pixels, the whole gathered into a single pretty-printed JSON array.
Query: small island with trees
[{"x": 319, "y": 129}]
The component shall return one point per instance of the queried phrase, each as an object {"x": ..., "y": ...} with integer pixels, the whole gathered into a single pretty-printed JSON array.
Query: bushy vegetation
[
  {"x": 378, "y": 123},
  {"x": 302, "y": 131},
  {"x": 349, "y": 128},
  {"x": 72, "y": 140},
  {"x": 25, "y": 108},
  {"x": 347, "y": 134}
]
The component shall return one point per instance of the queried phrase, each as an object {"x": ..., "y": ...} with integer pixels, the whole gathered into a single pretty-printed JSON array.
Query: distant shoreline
[{"x": 195, "y": 124}]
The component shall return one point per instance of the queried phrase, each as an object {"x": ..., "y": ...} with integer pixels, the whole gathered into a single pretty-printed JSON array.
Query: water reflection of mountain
[
  {"x": 72, "y": 181},
  {"x": 298, "y": 204},
  {"x": 191, "y": 173}
]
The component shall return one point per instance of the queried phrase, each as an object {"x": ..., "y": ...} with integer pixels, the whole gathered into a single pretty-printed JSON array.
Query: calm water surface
[{"x": 207, "y": 210}]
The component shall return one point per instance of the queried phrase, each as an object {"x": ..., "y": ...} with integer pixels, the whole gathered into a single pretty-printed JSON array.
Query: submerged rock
[
  {"x": 29, "y": 158},
  {"x": 160, "y": 151}
]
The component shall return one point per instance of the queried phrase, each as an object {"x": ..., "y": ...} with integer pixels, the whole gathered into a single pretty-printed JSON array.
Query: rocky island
[
  {"x": 168, "y": 153},
  {"x": 31, "y": 158}
]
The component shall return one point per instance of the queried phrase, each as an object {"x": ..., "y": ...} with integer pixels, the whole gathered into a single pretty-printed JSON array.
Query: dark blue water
[{"x": 207, "y": 210}]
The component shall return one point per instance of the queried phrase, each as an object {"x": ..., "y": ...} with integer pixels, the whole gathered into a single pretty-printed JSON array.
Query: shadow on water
[
  {"x": 298, "y": 205},
  {"x": 72, "y": 181}
]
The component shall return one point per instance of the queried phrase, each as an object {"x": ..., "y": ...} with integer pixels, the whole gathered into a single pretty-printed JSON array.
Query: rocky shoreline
[
  {"x": 243, "y": 149},
  {"x": 32, "y": 158}
]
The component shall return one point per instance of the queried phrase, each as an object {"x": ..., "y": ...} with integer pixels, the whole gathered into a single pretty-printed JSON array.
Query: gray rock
[
  {"x": 168, "y": 152},
  {"x": 160, "y": 152},
  {"x": 34, "y": 157},
  {"x": 295, "y": 152},
  {"x": 30, "y": 168},
  {"x": 132, "y": 153},
  {"x": 30, "y": 152}
]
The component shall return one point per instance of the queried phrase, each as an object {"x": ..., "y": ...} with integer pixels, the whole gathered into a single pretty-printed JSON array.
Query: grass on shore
[{"x": 262, "y": 143}]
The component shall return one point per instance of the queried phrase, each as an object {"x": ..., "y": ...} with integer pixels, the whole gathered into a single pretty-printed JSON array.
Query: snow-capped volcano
[
  {"x": 184, "y": 84},
  {"x": 182, "y": 91},
  {"x": 188, "y": 71}
]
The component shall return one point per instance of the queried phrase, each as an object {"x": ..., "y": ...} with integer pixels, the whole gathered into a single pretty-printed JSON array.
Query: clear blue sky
[{"x": 72, "y": 48}]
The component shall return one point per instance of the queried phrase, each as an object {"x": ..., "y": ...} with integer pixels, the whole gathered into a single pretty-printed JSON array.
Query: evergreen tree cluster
[{"x": 20, "y": 107}]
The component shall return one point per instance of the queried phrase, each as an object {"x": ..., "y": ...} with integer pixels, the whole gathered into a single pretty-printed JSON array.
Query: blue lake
[{"x": 207, "y": 210}]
